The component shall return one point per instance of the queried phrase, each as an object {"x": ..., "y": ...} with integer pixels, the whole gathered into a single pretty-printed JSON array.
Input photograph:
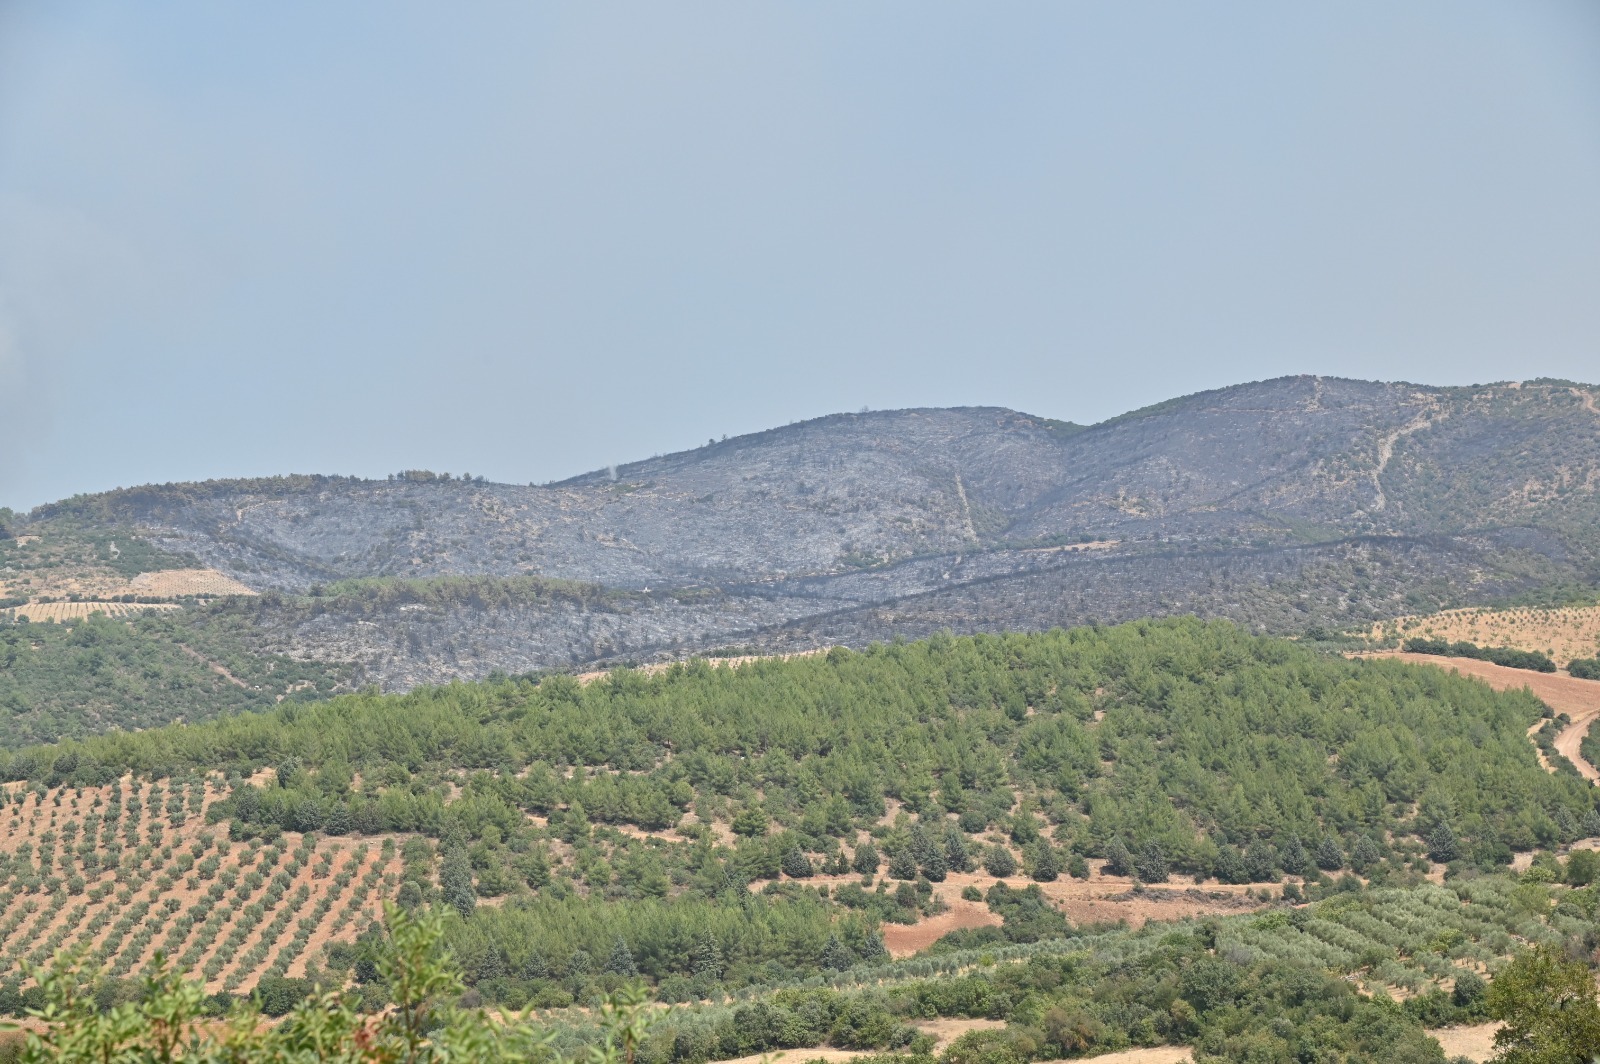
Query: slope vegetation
[{"x": 557, "y": 818}]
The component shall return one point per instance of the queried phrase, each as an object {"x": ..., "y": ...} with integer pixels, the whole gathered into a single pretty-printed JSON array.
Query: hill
[
  {"x": 1284, "y": 505},
  {"x": 730, "y": 836}
]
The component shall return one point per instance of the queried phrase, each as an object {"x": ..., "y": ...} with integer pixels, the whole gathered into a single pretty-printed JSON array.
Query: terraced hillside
[{"x": 1284, "y": 504}]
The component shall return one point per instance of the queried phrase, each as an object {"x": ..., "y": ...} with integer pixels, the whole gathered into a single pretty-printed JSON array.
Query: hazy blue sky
[{"x": 526, "y": 240}]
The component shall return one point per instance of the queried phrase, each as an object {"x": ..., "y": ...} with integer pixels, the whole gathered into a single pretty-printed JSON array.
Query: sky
[{"x": 528, "y": 240}]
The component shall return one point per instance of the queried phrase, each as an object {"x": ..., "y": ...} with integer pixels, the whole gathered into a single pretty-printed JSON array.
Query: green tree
[
  {"x": 796, "y": 865},
  {"x": 1330, "y": 858},
  {"x": 455, "y": 881},
  {"x": 1119, "y": 862},
  {"x": 1547, "y": 1003},
  {"x": 1293, "y": 857},
  {"x": 956, "y": 854},
  {"x": 1152, "y": 863},
  {"x": 836, "y": 956},
  {"x": 620, "y": 961},
  {"x": 1044, "y": 863},
  {"x": 997, "y": 861},
  {"x": 707, "y": 957},
  {"x": 865, "y": 861},
  {"x": 1260, "y": 863},
  {"x": 1442, "y": 845},
  {"x": 1365, "y": 855},
  {"x": 1583, "y": 867},
  {"x": 750, "y": 821}
]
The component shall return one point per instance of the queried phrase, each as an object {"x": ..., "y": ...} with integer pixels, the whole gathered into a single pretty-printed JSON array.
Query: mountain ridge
[{"x": 1283, "y": 504}]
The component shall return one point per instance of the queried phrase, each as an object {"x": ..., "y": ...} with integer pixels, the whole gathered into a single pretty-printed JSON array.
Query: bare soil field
[
  {"x": 1578, "y": 699},
  {"x": 903, "y": 940},
  {"x": 1563, "y": 632},
  {"x": 1100, "y": 899},
  {"x": 131, "y": 868}
]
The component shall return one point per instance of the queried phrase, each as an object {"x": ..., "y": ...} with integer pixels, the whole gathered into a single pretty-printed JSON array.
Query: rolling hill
[
  {"x": 949, "y": 844},
  {"x": 1284, "y": 505}
]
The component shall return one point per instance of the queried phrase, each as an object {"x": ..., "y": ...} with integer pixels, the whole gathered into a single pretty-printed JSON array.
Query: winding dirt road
[{"x": 1578, "y": 699}]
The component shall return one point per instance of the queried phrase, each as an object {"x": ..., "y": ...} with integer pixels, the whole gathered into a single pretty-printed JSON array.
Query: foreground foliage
[{"x": 169, "y": 1021}]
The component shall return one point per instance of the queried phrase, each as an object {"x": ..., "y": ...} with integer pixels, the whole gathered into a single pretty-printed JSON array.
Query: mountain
[{"x": 1283, "y": 504}]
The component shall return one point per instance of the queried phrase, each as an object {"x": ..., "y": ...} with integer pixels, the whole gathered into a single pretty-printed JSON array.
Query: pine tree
[
  {"x": 1293, "y": 857},
  {"x": 620, "y": 962},
  {"x": 409, "y": 897},
  {"x": 455, "y": 882},
  {"x": 1231, "y": 867},
  {"x": 933, "y": 866},
  {"x": 750, "y": 822},
  {"x": 535, "y": 967},
  {"x": 796, "y": 865},
  {"x": 836, "y": 955},
  {"x": 1365, "y": 855},
  {"x": 492, "y": 965},
  {"x": 1259, "y": 863},
  {"x": 956, "y": 854},
  {"x": 1329, "y": 857},
  {"x": 1152, "y": 864},
  {"x": 1442, "y": 846},
  {"x": 873, "y": 949},
  {"x": 1119, "y": 862},
  {"x": 865, "y": 861},
  {"x": 337, "y": 821},
  {"x": 997, "y": 861},
  {"x": 922, "y": 847},
  {"x": 707, "y": 957},
  {"x": 1044, "y": 864},
  {"x": 1591, "y": 824},
  {"x": 902, "y": 865},
  {"x": 1567, "y": 828}
]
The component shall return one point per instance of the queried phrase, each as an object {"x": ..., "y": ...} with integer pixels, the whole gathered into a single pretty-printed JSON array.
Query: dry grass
[
  {"x": 44, "y": 612},
  {"x": 1476, "y": 1043},
  {"x": 123, "y": 891},
  {"x": 175, "y": 583},
  {"x": 1563, "y": 632}
]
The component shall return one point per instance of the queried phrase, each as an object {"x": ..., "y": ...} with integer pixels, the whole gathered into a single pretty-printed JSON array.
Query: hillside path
[{"x": 1578, "y": 699}]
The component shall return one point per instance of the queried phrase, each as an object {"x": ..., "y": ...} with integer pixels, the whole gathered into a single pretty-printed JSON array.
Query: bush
[
  {"x": 1583, "y": 868},
  {"x": 1507, "y": 656},
  {"x": 1584, "y": 668}
]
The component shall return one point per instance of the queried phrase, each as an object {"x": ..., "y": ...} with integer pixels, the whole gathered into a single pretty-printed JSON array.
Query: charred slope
[{"x": 1281, "y": 503}]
